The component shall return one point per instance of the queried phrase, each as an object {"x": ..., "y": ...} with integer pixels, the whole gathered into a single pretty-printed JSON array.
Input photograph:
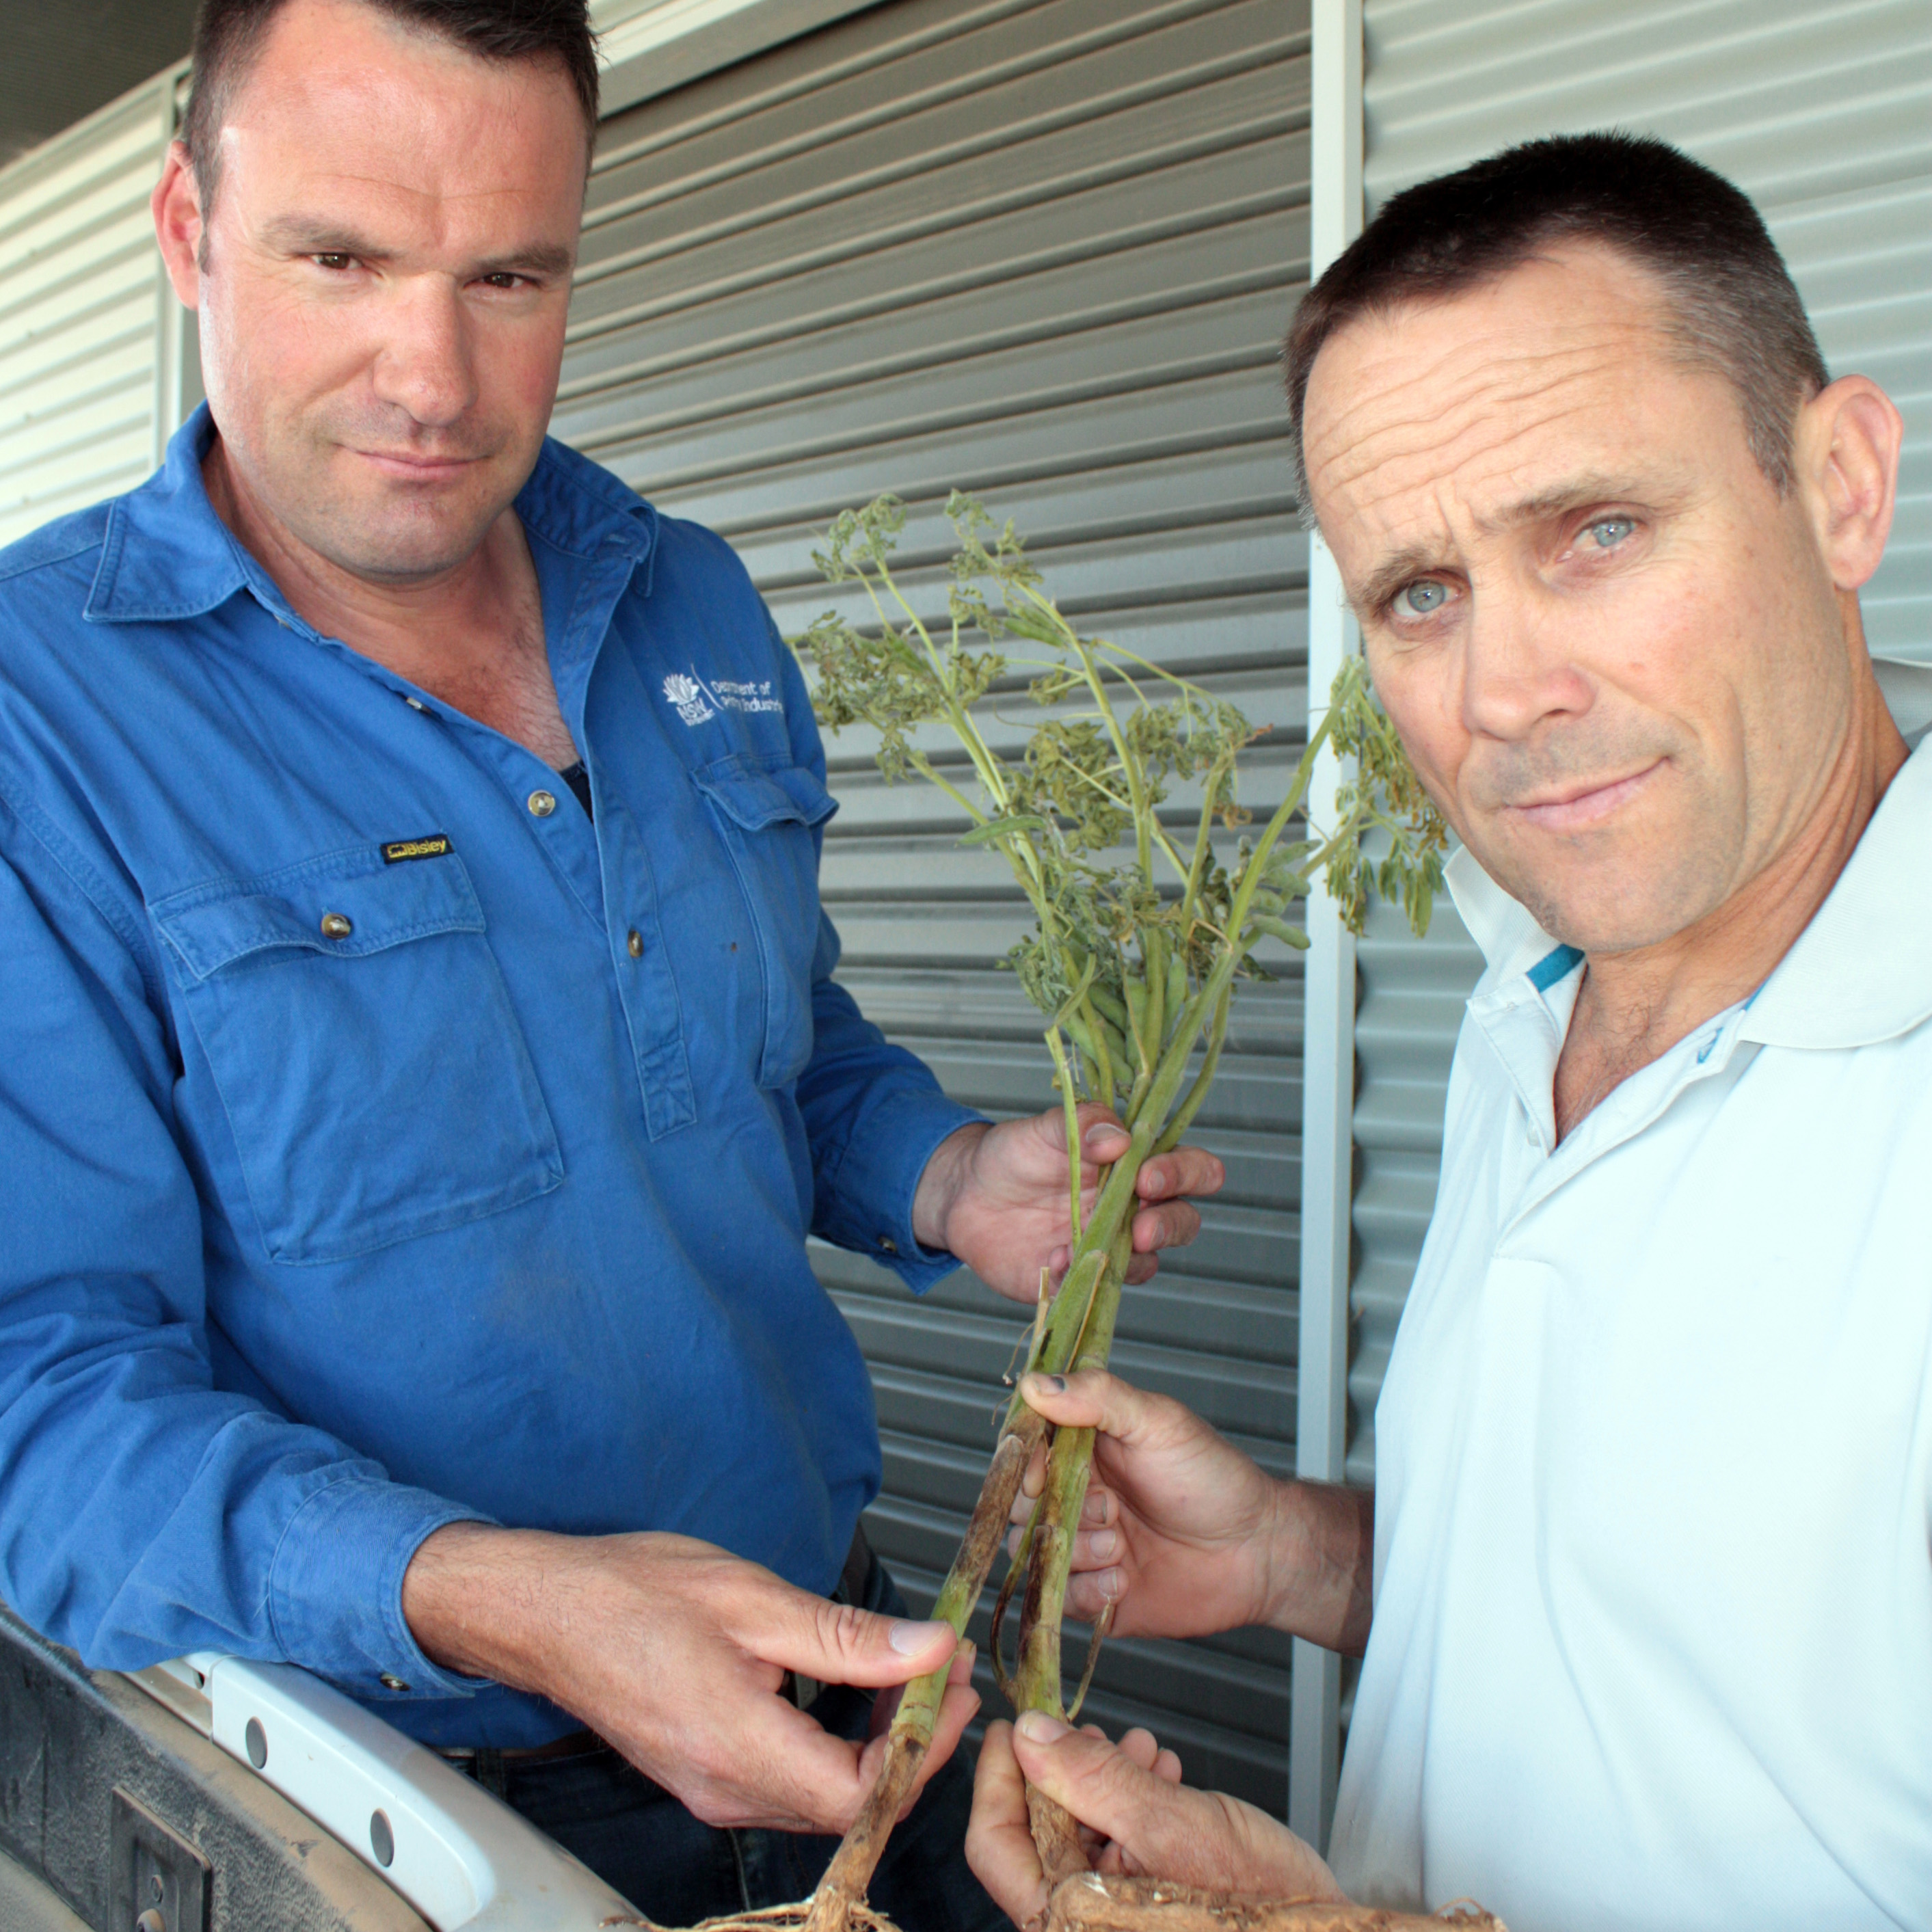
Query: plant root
[
  {"x": 781, "y": 1917},
  {"x": 1089, "y": 1902},
  {"x": 1056, "y": 1838}
]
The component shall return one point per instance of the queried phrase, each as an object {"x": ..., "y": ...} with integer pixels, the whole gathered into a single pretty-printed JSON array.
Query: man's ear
[
  {"x": 176, "y": 206},
  {"x": 1845, "y": 455}
]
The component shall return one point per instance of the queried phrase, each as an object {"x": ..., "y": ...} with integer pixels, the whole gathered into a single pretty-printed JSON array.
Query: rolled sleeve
[
  {"x": 335, "y": 1586},
  {"x": 866, "y": 1195}
]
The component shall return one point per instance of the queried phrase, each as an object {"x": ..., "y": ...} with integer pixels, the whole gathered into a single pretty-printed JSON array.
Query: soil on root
[
  {"x": 783, "y": 1918},
  {"x": 1088, "y": 1903}
]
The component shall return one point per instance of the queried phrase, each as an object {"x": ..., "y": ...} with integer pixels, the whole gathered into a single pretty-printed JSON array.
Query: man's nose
[
  {"x": 425, "y": 365},
  {"x": 1518, "y": 667}
]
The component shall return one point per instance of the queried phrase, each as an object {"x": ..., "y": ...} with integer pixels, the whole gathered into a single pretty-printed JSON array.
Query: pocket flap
[
  {"x": 213, "y": 925},
  {"x": 754, "y": 799}
]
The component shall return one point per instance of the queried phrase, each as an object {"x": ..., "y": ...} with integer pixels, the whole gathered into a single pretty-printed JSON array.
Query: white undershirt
[{"x": 1652, "y": 1644}]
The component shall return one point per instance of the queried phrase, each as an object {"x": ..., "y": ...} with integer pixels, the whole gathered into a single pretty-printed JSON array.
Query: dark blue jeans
[{"x": 675, "y": 1870}]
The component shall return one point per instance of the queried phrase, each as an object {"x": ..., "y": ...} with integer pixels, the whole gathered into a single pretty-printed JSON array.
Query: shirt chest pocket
[
  {"x": 769, "y": 822},
  {"x": 363, "y": 1045}
]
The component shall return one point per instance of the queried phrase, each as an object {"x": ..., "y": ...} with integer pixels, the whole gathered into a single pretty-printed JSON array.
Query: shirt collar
[
  {"x": 166, "y": 554},
  {"x": 1511, "y": 939},
  {"x": 1860, "y": 973}
]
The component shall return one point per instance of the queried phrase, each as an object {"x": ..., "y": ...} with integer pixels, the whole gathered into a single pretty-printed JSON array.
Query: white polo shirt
[{"x": 1652, "y": 1644}]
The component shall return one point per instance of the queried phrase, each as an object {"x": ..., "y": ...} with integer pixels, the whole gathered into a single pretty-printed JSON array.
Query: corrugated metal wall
[
  {"x": 81, "y": 357},
  {"x": 1824, "y": 115},
  {"x": 1045, "y": 249}
]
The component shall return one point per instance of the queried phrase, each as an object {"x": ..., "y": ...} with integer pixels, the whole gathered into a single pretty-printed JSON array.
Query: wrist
[
  {"x": 1284, "y": 1546},
  {"x": 480, "y": 1600},
  {"x": 947, "y": 1174},
  {"x": 1322, "y": 1564}
]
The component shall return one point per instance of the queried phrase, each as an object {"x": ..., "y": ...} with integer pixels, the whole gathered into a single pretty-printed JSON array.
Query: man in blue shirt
[{"x": 422, "y": 1067}]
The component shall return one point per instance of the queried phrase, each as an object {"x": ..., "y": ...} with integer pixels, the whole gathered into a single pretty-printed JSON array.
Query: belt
[{"x": 854, "y": 1582}]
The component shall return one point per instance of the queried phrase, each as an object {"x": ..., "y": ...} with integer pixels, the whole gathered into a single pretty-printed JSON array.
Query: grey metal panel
[
  {"x": 1045, "y": 249},
  {"x": 79, "y": 294},
  {"x": 1824, "y": 115}
]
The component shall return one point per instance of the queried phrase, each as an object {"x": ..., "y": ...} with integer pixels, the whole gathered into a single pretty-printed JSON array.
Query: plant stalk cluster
[{"x": 1143, "y": 926}]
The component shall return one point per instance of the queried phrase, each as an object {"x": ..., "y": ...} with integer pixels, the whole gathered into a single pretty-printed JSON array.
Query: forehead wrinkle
[
  {"x": 1416, "y": 419},
  {"x": 1469, "y": 370},
  {"x": 1476, "y": 479}
]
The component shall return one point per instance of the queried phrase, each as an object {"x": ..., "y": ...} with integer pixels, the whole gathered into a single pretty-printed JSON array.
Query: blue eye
[
  {"x": 1608, "y": 532},
  {"x": 1422, "y": 598}
]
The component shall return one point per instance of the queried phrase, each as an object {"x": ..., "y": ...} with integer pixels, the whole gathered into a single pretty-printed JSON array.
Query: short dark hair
[
  {"x": 1731, "y": 305},
  {"x": 228, "y": 34}
]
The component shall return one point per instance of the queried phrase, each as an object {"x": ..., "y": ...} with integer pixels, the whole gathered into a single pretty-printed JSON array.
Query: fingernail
[
  {"x": 909, "y": 1639},
  {"x": 1104, "y": 1543},
  {"x": 1045, "y": 1384},
  {"x": 1037, "y": 1727}
]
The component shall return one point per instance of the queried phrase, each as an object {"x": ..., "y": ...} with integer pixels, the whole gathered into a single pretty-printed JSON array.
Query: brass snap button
[
  {"x": 334, "y": 926},
  {"x": 542, "y": 803},
  {"x": 635, "y": 941}
]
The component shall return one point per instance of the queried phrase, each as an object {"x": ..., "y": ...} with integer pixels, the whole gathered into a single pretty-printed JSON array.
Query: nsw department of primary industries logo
[{"x": 687, "y": 694}]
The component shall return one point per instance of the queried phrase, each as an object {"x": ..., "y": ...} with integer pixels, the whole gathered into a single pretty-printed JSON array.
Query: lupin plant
[{"x": 1140, "y": 934}]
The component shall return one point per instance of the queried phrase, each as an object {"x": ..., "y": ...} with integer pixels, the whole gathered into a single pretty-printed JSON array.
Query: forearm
[
  {"x": 1322, "y": 1551},
  {"x": 502, "y": 1604}
]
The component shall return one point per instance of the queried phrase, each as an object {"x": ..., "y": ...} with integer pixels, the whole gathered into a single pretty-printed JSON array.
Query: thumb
[
  {"x": 1163, "y": 1830},
  {"x": 1103, "y": 1787},
  {"x": 837, "y": 1644},
  {"x": 1093, "y": 1398}
]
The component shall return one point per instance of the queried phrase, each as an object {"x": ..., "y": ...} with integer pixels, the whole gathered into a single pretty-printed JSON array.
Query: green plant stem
[
  {"x": 1069, "y": 1105},
  {"x": 1183, "y": 1115},
  {"x": 1153, "y": 955},
  {"x": 1069, "y": 1460}
]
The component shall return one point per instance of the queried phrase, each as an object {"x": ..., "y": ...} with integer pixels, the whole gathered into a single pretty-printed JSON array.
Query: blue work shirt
[{"x": 384, "y": 1142}]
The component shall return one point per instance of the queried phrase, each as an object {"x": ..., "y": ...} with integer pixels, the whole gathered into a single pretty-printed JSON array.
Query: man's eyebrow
[
  {"x": 1566, "y": 498},
  {"x": 298, "y": 235},
  {"x": 544, "y": 260},
  {"x": 1563, "y": 499}
]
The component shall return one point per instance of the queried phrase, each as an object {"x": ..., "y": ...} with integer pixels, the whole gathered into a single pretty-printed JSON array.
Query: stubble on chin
[
  {"x": 377, "y": 527},
  {"x": 1617, "y": 888}
]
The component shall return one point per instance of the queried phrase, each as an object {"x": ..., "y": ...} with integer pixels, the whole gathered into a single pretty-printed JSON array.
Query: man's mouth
[
  {"x": 406, "y": 467},
  {"x": 1577, "y": 807}
]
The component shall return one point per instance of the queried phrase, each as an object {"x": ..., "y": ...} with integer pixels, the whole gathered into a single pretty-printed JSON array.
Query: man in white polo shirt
[{"x": 1650, "y": 1642}]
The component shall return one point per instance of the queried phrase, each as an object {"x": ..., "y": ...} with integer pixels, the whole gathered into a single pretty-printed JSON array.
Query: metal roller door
[
  {"x": 1045, "y": 250},
  {"x": 84, "y": 333},
  {"x": 1824, "y": 116}
]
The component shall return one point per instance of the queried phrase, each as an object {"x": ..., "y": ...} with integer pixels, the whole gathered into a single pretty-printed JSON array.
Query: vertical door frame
[{"x": 1328, "y": 1051}]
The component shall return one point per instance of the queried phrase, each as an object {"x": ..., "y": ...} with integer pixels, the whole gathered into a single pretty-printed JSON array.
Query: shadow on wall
[{"x": 59, "y": 63}]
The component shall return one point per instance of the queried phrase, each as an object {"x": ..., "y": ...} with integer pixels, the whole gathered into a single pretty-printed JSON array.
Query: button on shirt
[
  {"x": 1652, "y": 1643},
  {"x": 383, "y": 1146}
]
